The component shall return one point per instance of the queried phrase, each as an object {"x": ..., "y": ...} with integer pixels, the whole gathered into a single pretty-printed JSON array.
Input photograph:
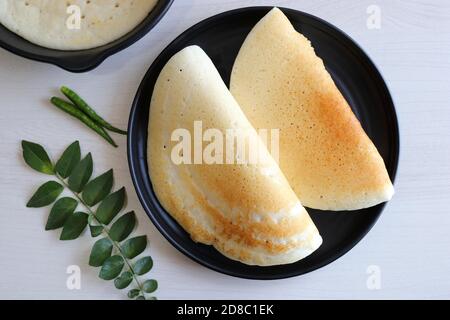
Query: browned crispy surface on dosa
[
  {"x": 248, "y": 212},
  {"x": 325, "y": 154}
]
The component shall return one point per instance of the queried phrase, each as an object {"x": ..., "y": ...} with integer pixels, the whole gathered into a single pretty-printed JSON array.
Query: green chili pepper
[
  {"x": 83, "y": 106},
  {"x": 77, "y": 113}
]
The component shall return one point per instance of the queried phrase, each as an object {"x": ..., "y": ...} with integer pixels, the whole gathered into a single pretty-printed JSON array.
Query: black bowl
[
  {"x": 356, "y": 76},
  {"x": 81, "y": 60}
]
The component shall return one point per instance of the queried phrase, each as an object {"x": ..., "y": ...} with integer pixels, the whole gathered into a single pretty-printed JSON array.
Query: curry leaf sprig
[
  {"x": 80, "y": 109},
  {"x": 115, "y": 253}
]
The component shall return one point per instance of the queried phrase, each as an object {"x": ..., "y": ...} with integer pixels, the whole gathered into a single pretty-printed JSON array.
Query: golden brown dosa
[
  {"x": 247, "y": 212},
  {"x": 328, "y": 159}
]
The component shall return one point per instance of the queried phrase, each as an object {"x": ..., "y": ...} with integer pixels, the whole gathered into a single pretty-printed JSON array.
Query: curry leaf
[
  {"x": 122, "y": 228},
  {"x": 123, "y": 280},
  {"x": 133, "y": 293},
  {"x": 45, "y": 194},
  {"x": 134, "y": 246},
  {"x": 61, "y": 210},
  {"x": 95, "y": 230},
  {"x": 111, "y": 268},
  {"x": 36, "y": 157},
  {"x": 97, "y": 189},
  {"x": 69, "y": 159},
  {"x": 150, "y": 286},
  {"x": 74, "y": 226},
  {"x": 81, "y": 174},
  {"x": 143, "y": 265},
  {"x": 110, "y": 206},
  {"x": 101, "y": 251},
  {"x": 107, "y": 252}
]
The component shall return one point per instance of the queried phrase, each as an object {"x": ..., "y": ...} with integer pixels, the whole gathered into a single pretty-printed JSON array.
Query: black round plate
[
  {"x": 81, "y": 60},
  {"x": 221, "y": 36}
]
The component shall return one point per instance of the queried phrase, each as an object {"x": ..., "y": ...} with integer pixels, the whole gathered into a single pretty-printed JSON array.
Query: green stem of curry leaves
[{"x": 106, "y": 232}]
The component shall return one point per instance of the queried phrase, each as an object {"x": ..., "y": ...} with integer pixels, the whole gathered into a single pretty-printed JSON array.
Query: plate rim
[{"x": 395, "y": 130}]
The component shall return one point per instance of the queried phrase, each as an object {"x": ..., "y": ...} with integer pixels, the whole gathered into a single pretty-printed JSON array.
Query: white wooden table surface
[{"x": 410, "y": 244}]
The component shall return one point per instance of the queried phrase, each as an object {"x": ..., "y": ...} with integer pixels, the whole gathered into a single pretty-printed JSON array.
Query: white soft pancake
[
  {"x": 43, "y": 22},
  {"x": 248, "y": 212}
]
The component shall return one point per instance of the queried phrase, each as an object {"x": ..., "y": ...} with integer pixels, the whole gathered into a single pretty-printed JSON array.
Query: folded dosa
[
  {"x": 53, "y": 23},
  {"x": 328, "y": 159},
  {"x": 248, "y": 212}
]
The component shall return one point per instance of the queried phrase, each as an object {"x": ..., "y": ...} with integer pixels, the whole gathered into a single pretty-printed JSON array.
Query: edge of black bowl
[
  {"x": 147, "y": 207},
  {"x": 78, "y": 61}
]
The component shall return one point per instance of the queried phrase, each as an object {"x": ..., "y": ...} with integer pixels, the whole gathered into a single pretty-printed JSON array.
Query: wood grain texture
[{"x": 410, "y": 243}]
